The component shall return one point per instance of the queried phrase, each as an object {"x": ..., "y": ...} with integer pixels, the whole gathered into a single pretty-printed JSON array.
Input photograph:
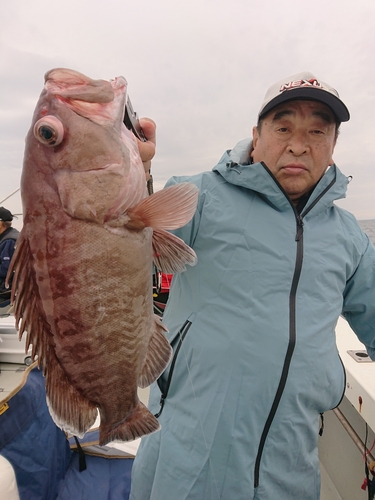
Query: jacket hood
[
  {"x": 235, "y": 168},
  {"x": 9, "y": 234}
]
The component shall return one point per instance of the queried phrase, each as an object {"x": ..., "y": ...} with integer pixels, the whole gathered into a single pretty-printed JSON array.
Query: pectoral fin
[{"x": 170, "y": 208}]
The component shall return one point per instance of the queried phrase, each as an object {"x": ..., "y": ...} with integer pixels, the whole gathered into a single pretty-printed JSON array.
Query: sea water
[{"x": 368, "y": 227}]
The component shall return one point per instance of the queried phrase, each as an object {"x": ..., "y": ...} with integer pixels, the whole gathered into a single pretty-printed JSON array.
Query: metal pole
[
  {"x": 14, "y": 192},
  {"x": 356, "y": 439}
]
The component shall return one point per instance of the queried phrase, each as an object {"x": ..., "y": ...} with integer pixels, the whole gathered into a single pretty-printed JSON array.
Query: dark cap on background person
[
  {"x": 5, "y": 215},
  {"x": 304, "y": 86}
]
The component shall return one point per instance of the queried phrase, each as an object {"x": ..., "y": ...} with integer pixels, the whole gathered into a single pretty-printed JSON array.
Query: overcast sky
[{"x": 199, "y": 68}]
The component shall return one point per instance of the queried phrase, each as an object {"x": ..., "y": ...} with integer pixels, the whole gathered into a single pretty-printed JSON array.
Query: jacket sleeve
[
  {"x": 6, "y": 254},
  {"x": 359, "y": 300}
]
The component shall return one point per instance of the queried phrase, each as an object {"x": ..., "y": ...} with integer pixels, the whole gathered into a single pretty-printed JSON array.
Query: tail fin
[{"x": 138, "y": 423}]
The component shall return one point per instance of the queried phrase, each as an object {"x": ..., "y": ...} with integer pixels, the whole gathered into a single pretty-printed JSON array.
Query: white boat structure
[{"x": 351, "y": 425}]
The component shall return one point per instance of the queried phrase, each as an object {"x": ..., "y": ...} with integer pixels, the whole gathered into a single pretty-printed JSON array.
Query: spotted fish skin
[{"x": 83, "y": 266}]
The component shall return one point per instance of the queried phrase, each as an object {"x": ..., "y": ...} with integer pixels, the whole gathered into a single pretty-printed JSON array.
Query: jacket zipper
[
  {"x": 292, "y": 320},
  {"x": 291, "y": 345}
]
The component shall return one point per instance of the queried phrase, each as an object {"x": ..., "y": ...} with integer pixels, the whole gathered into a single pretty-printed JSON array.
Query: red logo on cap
[{"x": 313, "y": 82}]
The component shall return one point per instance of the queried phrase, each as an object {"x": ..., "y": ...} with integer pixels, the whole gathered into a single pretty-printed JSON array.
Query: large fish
[{"x": 83, "y": 266}]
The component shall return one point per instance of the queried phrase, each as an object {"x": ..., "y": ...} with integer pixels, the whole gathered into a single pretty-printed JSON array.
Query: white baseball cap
[{"x": 304, "y": 86}]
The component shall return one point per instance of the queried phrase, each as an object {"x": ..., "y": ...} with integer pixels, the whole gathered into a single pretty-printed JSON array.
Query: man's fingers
[
  {"x": 149, "y": 129},
  {"x": 147, "y": 149}
]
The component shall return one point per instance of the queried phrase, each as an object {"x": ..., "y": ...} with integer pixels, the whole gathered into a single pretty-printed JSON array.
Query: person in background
[
  {"x": 8, "y": 238},
  {"x": 252, "y": 325}
]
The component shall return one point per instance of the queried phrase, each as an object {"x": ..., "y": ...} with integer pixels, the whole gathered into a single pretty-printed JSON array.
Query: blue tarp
[
  {"x": 38, "y": 450},
  {"x": 103, "y": 479},
  {"x": 45, "y": 466}
]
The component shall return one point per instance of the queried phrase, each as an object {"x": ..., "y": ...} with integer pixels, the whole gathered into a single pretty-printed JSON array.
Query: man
[
  {"x": 8, "y": 237},
  {"x": 253, "y": 323}
]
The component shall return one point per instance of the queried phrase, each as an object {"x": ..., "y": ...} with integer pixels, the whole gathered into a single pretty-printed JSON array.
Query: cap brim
[{"x": 338, "y": 107}]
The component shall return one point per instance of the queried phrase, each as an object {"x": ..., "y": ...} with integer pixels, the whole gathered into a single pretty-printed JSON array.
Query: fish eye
[{"x": 49, "y": 131}]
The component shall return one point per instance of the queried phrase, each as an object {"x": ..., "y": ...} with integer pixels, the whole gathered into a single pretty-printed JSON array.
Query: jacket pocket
[
  {"x": 330, "y": 383},
  {"x": 344, "y": 387},
  {"x": 165, "y": 379}
]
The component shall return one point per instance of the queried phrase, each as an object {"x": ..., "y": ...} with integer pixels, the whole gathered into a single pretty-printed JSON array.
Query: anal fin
[
  {"x": 138, "y": 423},
  {"x": 69, "y": 409},
  {"x": 158, "y": 356}
]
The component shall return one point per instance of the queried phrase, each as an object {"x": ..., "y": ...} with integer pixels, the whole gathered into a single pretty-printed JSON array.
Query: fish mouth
[
  {"x": 100, "y": 101},
  {"x": 118, "y": 82}
]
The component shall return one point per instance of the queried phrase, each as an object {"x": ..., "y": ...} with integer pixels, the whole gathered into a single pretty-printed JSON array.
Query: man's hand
[{"x": 147, "y": 149}]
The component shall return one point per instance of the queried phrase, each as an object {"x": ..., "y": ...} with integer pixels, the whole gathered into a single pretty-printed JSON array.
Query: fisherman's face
[{"x": 296, "y": 142}]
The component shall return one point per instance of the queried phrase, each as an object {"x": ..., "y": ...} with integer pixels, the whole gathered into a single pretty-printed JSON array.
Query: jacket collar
[
  {"x": 9, "y": 234},
  {"x": 235, "y": 168}
]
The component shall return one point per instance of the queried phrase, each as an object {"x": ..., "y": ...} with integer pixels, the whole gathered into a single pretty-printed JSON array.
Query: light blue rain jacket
[{"x": 258, "y": 361}]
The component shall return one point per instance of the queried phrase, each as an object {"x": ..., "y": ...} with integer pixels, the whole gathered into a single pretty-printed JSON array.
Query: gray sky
[{"x": 199, "y": 68}]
